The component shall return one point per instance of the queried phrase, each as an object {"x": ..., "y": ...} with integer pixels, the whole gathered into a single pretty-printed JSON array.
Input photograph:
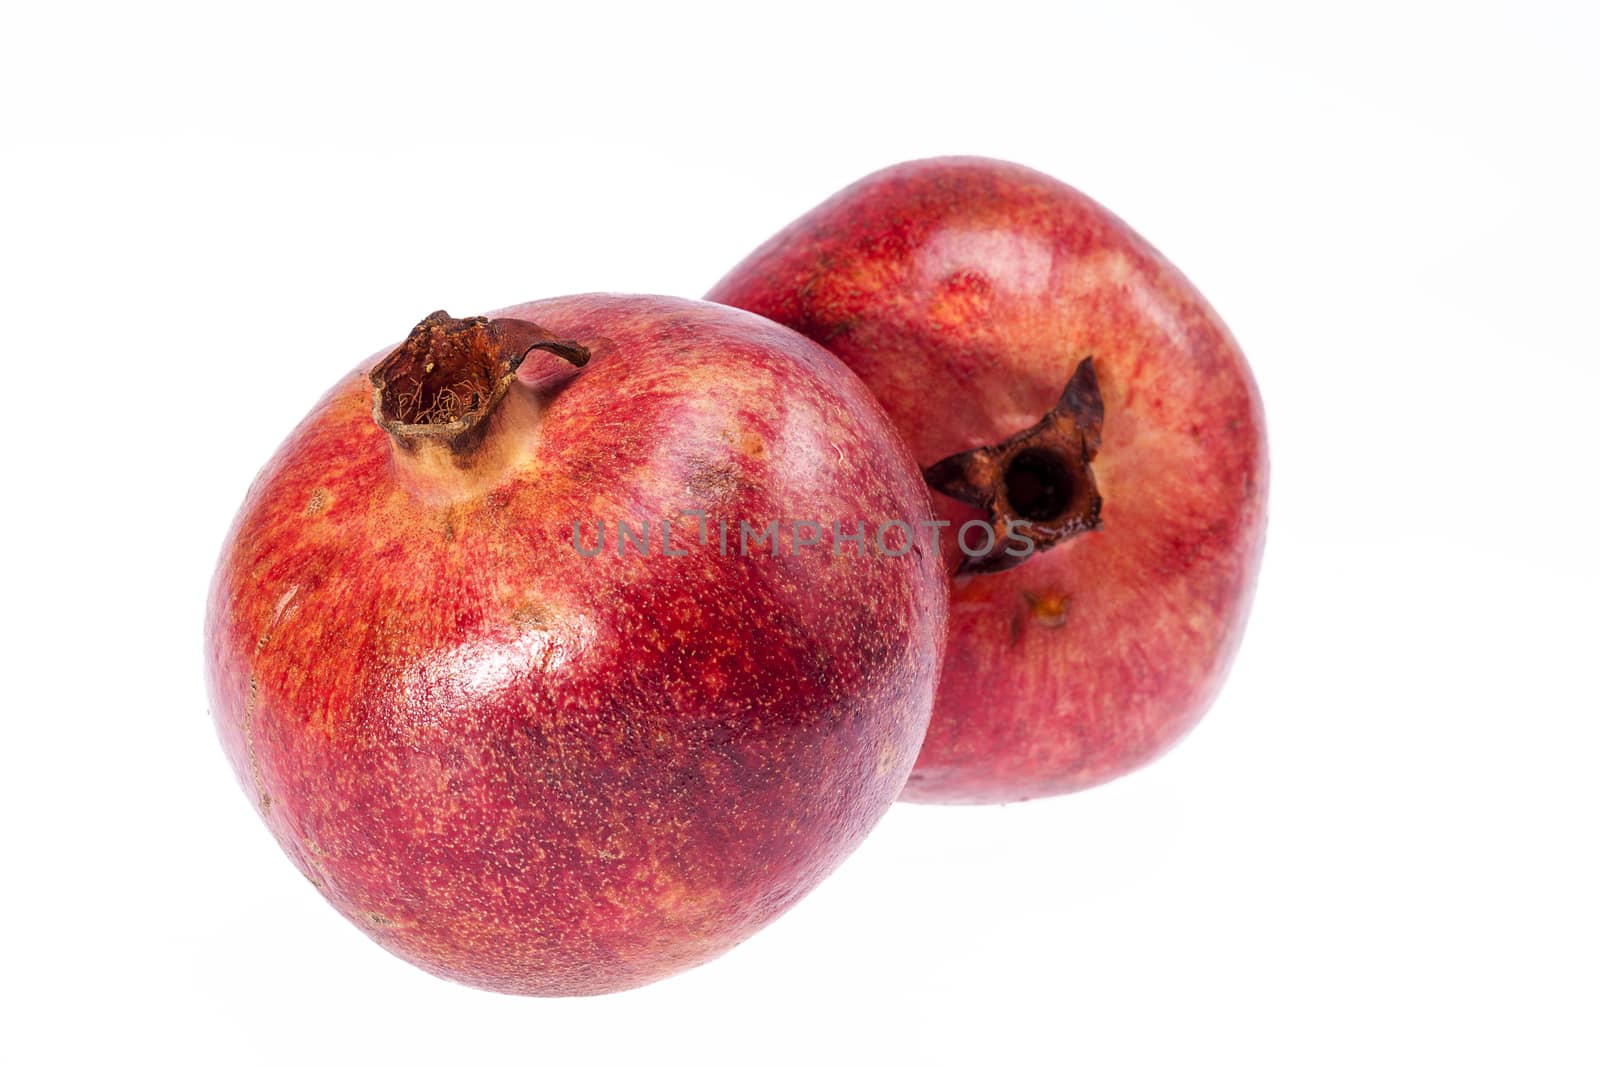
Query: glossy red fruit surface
[
  {"x": 542, "y": 771},
  {"x": 968, "y": 294}
]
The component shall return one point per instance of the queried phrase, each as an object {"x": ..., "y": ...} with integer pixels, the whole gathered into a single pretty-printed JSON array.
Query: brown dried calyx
[
  {"x": 444, "y": 380},
  {"x": 1038, "y": 480}
]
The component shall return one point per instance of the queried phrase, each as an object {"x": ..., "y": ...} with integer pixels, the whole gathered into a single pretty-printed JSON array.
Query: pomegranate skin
[
  {"x": 965, "y": 292},
  {"x": 543, "y": 773}
]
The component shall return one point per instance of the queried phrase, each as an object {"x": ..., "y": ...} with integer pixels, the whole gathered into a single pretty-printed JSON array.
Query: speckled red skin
[
  {"x": 964, "y": 292},
  {"x": 539, "y": 773}
]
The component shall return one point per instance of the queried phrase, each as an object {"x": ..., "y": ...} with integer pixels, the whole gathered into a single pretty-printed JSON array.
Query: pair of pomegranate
[{"x": 955, "y": 494}]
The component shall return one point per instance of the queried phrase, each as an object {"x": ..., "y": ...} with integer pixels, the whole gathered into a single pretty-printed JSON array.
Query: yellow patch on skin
[
  {"x": 318, "y": 501},
  {"x": 531, "y": 615},
  {"x": 888, "y": 757},
  {"x": 961, "y": 297},
  {"x": 1048, "y": 609},
  {"x": 679, "y": 904}
]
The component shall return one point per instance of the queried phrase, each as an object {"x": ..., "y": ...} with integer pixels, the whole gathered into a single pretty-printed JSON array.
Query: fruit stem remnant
[
  {"x": 443, "y": 381},
  {"x": 1039, "y": 479},
  {"x": 448, "y": 397}
]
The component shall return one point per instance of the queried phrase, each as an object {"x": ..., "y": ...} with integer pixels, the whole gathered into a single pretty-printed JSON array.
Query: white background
[{"x": 1380, "y": 844}]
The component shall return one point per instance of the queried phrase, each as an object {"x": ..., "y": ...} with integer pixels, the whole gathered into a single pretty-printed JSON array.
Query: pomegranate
[
  {"x": 485, "y": 656},
  {"x": 1060, "y": 380}
]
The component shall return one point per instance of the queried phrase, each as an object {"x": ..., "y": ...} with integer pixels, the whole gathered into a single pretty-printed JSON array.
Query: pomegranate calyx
[
  {"x": 1038, "y": 481},
  {"x": 443, "y": 381}
]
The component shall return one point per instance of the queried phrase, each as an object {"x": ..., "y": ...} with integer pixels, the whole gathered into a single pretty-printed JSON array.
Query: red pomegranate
[
  {"x": 1056, "y": 378},
  {"x": 534, "y": 761}
]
